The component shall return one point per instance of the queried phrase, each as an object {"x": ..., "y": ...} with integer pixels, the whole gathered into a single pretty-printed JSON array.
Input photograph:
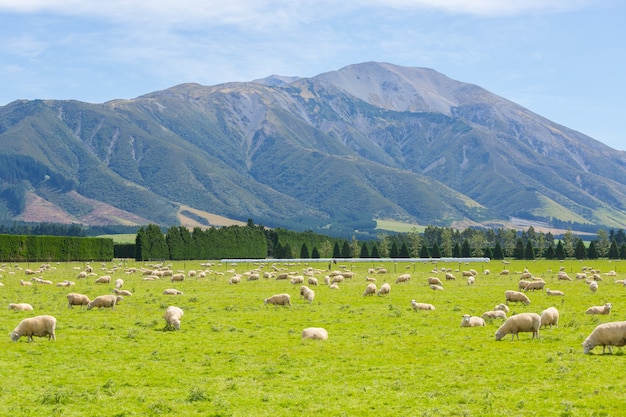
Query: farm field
[{"x": 235, "y": 356}]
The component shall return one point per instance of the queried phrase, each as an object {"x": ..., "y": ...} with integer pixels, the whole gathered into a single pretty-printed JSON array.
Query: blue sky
[{"x": 563, "y": 59}]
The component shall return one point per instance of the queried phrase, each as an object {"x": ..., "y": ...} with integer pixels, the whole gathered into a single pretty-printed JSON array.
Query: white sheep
[
  {"x": 315, "y": 333},
  {"x": 75, "y": 299},
  {"x": 434, "y": 281},
  {"x": 516, "y": 297},
  {"x": 119, "y": 283},
  {"x": 550, "y": 316},
  {"x": 554, "y": 292},
  {"x": 523, "y": 322},
  {"x": 334, "y": 286},
  {"x": 370, "y": 289},
  {"x": 66, "y": 283},
  {"x": 278, "y": 299},
  {"x": 471, "y": 280},
  {"x": 472, "y": 321},
  {"x": 105, "y": 301},
  {"x": 494, "y": 314},
  {"x": 312, "y": 281},
  {"x": 104, "y": 279},
  {"x": 535, "y": 285},
  {"x": 298, "y": 279},
  {"x": 124, "y": 293},
  {"x": 436, "y": 287},
  {"x": 26, "y": 283},
  {"x": 593, "y": 286},
  {"x": 403, "y": 278},
  {"x": 177, "y": 277},
  {"x": 39, "y": 326},
  {"x": 307, "y": 293},
  {"x": 172, "y": 317},
  {"x": 606, "y": 335},
  {"x": 20, "y": 307},
  {"x": 172, "y": 291},
  {"x": 605, "y": 309},
  {"x": 522, "y": 284},
  {"x": 421, "y": 306},
  {"x": 502, "y": 307},
  {"x": 385, "y": 289},
  {"x": 450, "y": 276},
  {"x": 235, "y": 279}
]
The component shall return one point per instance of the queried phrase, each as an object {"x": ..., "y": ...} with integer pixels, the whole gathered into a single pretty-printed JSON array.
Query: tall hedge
[{"x": 16, "y": 248}]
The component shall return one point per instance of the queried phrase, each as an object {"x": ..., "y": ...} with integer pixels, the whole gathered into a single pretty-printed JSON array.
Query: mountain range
[{"x": 331, "y": 153}]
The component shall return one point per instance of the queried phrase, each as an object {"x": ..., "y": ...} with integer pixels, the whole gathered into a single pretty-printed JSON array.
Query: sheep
[
  {"x": 298, "y": 279},
  {"x": 312, "y": 281},
  {"x": 20, "y": 307},
  {"x": 105, "y": 301},
  {"x": 471, "y": 280},
  {"x": 370, "y": 279},
  {"x": 39, "y": 326},
  {"x": 254, "y": 277},
  {"x": 554, "y": 292},
  {"x": 516, "y": 297},
  {"x": 522, "y": 284},
  {"x": 336, "y": 278},
  {"x": 450, "y": 276},
  {"x": 119, "y": 283},
  {"x": 124, "y": 293},
  {"x": 172, "y": 317},
  {"x": 434, "y": 281},
  {"x": 421, "y": 306},
  {"x": 315, "y": 333},
  {"x": 535, "y": 285},
  {"x": 562, "y": 276},
  {"x": 504, "y": 272},
  {"x": 172, "y": 291},
  {"x": 606, "y": 335},
  {"x": 235, "y": 279},
  {"x": 593, "y": 286},
  {"x": 307, "y": 293},
  {"x": 502, "y": 307},
  {"x": 550, "y": 316},
  {"x": 385, "y": 289},
  {"x": 605, "y": 309},
  {"x": 403, "y": 278},
  {"x": 66, "y": 283},
  {"x": 436, "y": 287},
  {"x": 177, "y": 277},
  {"x": 523, "y": 322},
  {"x": 278, "y": 299},
  {"x": 75, "y": 299},
  {"x": 494, "y": 314},
  {"x": 333, "y": 286},
  {"x": 26, "y": 283},
  {"x": 370, "y": 289},
  {"x": 104, "y": 279},
  {"x": 487, "y": 272},
  {"x": 472, "y": 321}
]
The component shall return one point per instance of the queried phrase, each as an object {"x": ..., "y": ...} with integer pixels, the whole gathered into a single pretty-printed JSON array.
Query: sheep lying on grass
[
  {"x": 315, "y": 333},
  {"x": 523, "y": 322},
  {"x": 421, "y": 306},
  {"x": 39, "y": 326},
  {"x": 124, "y": 293},
  {"x": 278, "y": 299},
  {"x": 494, "y": 314},
  {"x": 502, "y": 307},
  {"x": 75, "y": 299},
  {"x": 105, "y": 301},
  {"x": 605, "y": 309},
  {"x": 606, "y": 335},
  {"x": 554, "y": 292},
  {"x": 172, "y": 317},
  {"x": 550, "y": 316},
  {"x": 472, "y": 321},
  {"x": 20, "y": 307},
  {"x": 172, "y": 291}
]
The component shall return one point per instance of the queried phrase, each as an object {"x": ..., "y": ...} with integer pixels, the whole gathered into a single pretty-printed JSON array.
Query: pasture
[{"x": 235, "y": 356}]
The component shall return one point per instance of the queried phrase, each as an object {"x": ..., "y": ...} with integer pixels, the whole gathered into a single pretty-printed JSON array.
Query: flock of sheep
[{"x": 605, "y": 335}]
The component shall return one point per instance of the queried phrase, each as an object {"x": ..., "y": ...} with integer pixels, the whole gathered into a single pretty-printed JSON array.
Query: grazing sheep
[
  {"x": 312, "y": 281},
  {"x": 562, "y": 276},
  {"x": 172, "y": 317},
  {"x": 105, "y": 301},
  {"x": 278, "y": 299},
  {"x": 385, "y": 289},
  {"x": 593, "y": 286},
  {"x": 307, "y": 293},
  {"x": 606, "y": 335},
  {"x": 333, "y": 286},
  {"x": 450, "y": 276},
  {"x": 39, "y": 326},
  {"x": 20, "y": 307},
  {"x": 403, "y": 278},
  {"x": 315, "y": 333},
  {"x": 472, "y": 321},
  {"x": 471, "y": 280},
  {"x": 505, "y": 272},
  {"x": 421, "y": 306},
  {"x": 370, "y": 289},
  {"x": 104, "y": 279},
  {"x": 550, "y": 316},
  {"x": 336, "y": 278},
  {"x": 535, "y": 285},
  {"x": 298, "y": 279},
  {"x": 434, "y": 281},
  {"x": 235, "y": 279},
  {"x": 494, "y": 314},
  {"x": 254, "y": 277},
  {"x": 119, "y": 283},
  {"x": 554, "y": 292},
  {"x": 436, "y": 287},
  {"x": 75, "y": 299},
  {"x": 172, "y": 291},
  {"x": 487, "y": 272},
  {"x": 523, "y": 322},
  {"x": 522, "y": 284},
  {"x": 177, "y": 277},
  {"x": 605, "y": 309},
  {"x": 516, "y": 297},
  {"x": 124, "y": 293},
  {"x": 502, "y": 307}
]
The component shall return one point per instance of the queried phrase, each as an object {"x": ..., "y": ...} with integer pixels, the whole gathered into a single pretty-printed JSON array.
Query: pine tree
[
  {"x": 456, "y": 250},
  {"x": 518, "y": 252},
  {"x": 529, "y": 253},
  {"x": 498, "y": 254},
  {"x": 436, "y": 252},
  {"x": 364, "y": 251},
  {"x": 424, "y": 252},
  {"x": 345, "y": 250},
  {"x": 580, "y": 252},
  {"x": 466, "y": 250},
  {"x": 613, "y": 252},
  {"x": 550, "y": 253},
  {"x": 375, "y": 253},
  {"x": 559, "y": 252},
  {"x": 315, "y": 254},
  {"x": 304, "y": 251},
  {"x": 404, "y": 251},
  {"x": 592, "y": 253},
  {"x": 393, "y": 253},
  {"x": 336, "y": 251}
]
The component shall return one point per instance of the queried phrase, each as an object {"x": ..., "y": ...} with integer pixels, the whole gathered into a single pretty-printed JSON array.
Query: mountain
[{"x": 328, "y": 153}]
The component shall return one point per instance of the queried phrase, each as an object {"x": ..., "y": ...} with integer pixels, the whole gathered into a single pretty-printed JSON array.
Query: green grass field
[{"x": 235, "y": 356}]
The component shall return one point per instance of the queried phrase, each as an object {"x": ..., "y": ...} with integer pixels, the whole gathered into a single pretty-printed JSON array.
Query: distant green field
[
  {"x": 121, "y": 238},
  {"x": 235, "y": 356}
]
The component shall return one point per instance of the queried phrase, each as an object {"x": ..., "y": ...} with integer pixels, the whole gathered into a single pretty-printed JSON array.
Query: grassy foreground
[{"x": 235, "y": 356}]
